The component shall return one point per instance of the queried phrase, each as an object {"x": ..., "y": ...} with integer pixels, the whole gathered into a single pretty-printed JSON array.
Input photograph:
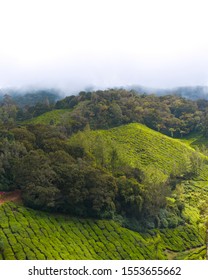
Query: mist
[{"x": 73, "y": 45}]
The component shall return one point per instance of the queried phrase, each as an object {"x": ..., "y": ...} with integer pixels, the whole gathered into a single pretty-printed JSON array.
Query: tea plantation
[
  {"x": 137, "y": 145},
  {"x": 34, "y": 235},
  {"x": 52, "y": 117},
  {"x": 27, "y": 234}
]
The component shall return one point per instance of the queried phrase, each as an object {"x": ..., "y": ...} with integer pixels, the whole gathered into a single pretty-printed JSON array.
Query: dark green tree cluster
[
  {"x": 170, "y": 114},
  {"x": 53, "y": 175}
]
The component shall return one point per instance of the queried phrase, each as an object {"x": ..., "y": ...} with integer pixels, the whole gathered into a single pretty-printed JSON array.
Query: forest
[{"x": 112, "y": 154}]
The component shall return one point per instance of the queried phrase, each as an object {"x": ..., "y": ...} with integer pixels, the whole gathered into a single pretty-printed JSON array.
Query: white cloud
[{"x": 77, "y": 42}]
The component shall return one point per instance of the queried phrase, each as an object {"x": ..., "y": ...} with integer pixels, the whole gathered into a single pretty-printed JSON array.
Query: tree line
[{"x": 170, "y": 114}]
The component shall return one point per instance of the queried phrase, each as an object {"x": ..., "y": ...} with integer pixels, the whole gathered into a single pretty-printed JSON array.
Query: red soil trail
[{"x": 10, "y": 196}]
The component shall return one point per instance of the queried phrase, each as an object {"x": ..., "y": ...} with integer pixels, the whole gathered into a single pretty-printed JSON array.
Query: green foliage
[
  {"x": 139, "y": 177},
  {"x": 99, "y": 173},
  {"x": 64, "y": 237},
  {"x": 137, "y": 146},
  {"x": 34, "y": 168},
  {"x": 86, "y": 190},
  {"x": 197, "y": 163},
  {"x": 172, "y": 115},
  {"x": 129, "y": 199},
  {"x": 53, "y": 117},
  {"x": 156, "y": 190},
  {"x": 53, "y": 237},
  {"x": 39, "y": 197}
]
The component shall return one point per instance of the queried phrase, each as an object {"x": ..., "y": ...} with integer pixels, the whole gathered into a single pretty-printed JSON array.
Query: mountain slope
[{"x": 138, "y": 146}]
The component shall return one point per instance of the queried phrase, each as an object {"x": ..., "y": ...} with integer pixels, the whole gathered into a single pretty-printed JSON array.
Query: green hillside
[
  {"x": 138, "y": 146},
  {"x": 52, "y": 117},
  {"x": 29, "y": 234},
  {"x": 144, "y": 148},
  {"x": 120, "y": 189}
]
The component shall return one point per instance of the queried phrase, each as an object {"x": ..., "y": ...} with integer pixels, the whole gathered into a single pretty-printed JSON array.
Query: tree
[
  {"x": 172, "y": 130},
  {"x": 99, "y": 151},
  {"x": 115, "y": 114},
  {"x": 205, "y": 123},
  {"x": 156, "y": 190},
  {"x": 129, "y": 197},
  {"x": 23, "y": 135},
  {"x": 114, "y": 160},
  {"x": 41, "y": 197},
  {"x": 34, "y": 169},
  {"x": 85, "y": 191},
  {"x": 197, "y": 162},
  {"x": 102, "y": 191},
  {"x": 11, "y": 152},
  {"x": 8, "y": 111}
]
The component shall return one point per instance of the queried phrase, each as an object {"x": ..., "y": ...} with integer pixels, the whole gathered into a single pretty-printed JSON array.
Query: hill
[
  {"x": 31, "y": 97},
  {"x": 54, "y": 117},
  {"x": 150, "y": 151},
  {"x": 138, "y": 146},
  {"x": 170, "y": 114},
  {"x": 101, "y": 157},
  {"x": 193, "y": 93}
]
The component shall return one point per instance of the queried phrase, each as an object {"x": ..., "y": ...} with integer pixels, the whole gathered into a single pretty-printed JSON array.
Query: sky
[{"x": 74, "y": 44}]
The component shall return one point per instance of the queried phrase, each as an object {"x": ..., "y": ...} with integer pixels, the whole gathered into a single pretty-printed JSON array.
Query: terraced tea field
[
  {"x": 34, "y": 235},
  {"x": 138, "y": 145},
  {"x": 47, "y": 118}
]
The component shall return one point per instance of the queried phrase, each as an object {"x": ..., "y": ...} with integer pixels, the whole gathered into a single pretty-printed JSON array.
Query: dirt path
[{"x": 10, "y": 196}]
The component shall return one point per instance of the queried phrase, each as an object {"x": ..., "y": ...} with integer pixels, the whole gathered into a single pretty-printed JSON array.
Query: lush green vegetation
[
  {"x": 169, "y": 114},
  {"x": 100, "y": 174},
  {"x": 137, "y": 146},
  {"x": 29, "y": 234},
  {"x": 104, "y": 155},
  {"x": 53, "y": 117}
]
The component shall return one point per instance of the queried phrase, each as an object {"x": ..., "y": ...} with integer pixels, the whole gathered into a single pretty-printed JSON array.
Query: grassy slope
[
  {"x": 138, "y": 145},
  {"x": 29, "y": 234},
  {"x": 56, "y": 116},
  {"x": 141, "y": 146}
]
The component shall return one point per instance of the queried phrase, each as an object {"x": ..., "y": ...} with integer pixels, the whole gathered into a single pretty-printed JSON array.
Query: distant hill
[
  {"x": 189, "y": 92},
  {"x": 31, "y": 97}
]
